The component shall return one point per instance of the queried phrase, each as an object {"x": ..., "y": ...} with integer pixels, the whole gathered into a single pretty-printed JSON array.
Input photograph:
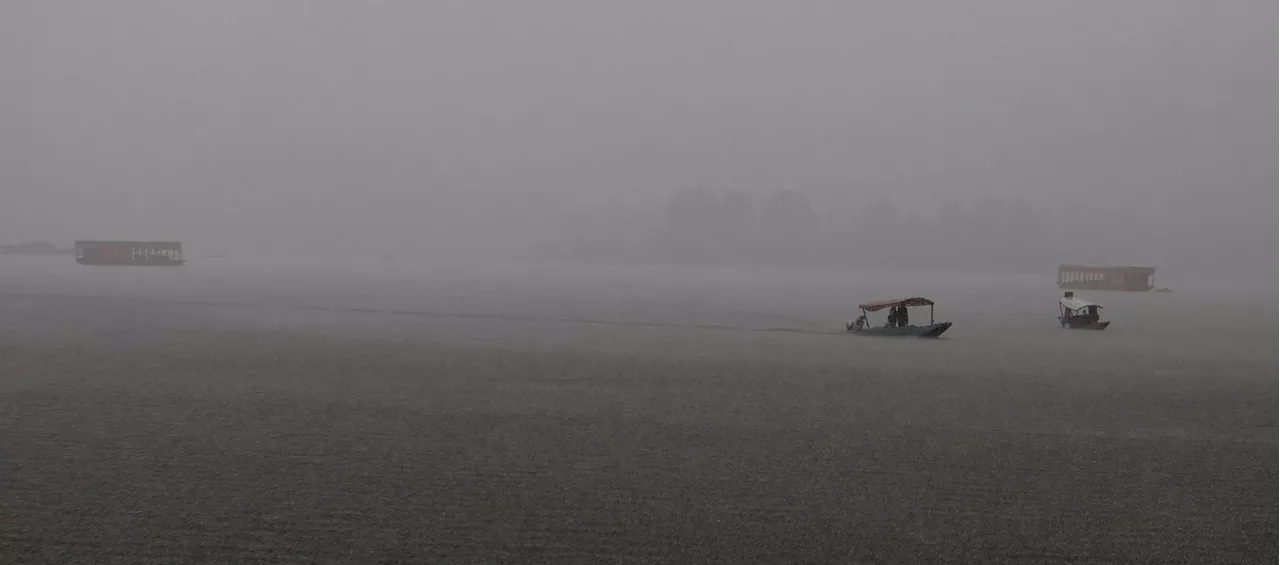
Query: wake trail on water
[{"x": 812, "y": 328}]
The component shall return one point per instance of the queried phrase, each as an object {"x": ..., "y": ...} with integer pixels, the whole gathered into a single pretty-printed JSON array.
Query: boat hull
[
  {"x": 1097, "y": 326},
  {"x": 1103, "y": 288},
  {"x": 931, "y": 330}
]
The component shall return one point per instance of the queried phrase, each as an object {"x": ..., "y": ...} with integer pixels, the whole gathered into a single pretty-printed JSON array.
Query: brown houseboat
[
  {"x": 141, "y": 253},
  {"x": 1081, "y": 277}
]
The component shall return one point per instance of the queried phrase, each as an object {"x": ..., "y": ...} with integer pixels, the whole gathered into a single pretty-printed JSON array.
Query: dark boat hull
[
  {"x": 1098, "y": 326},
  {"x": 1103, "y": 288},
  {"x": 931, "y": 330}
]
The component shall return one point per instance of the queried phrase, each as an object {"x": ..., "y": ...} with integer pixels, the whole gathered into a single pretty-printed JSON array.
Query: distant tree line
[
  {"x": 33, "y": 248},
  {"x": 785, "y": 227}
]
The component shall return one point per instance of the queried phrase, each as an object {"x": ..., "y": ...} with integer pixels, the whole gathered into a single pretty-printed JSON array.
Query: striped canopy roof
[{"x": 882, "y": 304}]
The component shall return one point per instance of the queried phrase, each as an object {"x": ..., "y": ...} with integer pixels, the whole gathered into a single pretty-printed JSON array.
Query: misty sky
[{"x": 474, "y": 124}]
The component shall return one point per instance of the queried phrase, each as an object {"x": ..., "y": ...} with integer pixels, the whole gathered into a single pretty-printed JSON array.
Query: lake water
[{"x": 234, "y": 410}]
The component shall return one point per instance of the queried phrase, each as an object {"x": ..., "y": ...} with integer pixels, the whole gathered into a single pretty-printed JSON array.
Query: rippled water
[{"x": 232, "y": 411}]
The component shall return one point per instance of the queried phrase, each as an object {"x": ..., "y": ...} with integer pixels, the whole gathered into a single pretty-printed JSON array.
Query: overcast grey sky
[{"x": 480, "y": 122}]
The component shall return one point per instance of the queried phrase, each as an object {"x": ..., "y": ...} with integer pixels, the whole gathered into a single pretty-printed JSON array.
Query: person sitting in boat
[
  {"x": 897, "y": 316},
  {"x": 858, "y": 324},
  {"x": 903, "y": 317}
]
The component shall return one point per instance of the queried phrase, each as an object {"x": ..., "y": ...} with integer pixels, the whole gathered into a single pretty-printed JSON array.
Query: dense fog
[{"x": 989, "y": 135}]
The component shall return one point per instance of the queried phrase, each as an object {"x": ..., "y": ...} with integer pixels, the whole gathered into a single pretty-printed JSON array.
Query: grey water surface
[{"x": 233, "y": 411}]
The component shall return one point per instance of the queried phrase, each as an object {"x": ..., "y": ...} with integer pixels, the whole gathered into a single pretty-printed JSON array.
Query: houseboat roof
[
  {"x": 1096, "y": 268},
  {"x": 882, "y": 304},
  {"x": 130, "y": 242}
]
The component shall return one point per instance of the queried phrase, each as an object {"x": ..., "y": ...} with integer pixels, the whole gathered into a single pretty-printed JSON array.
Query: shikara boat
[
  {"x": 1079, "y": 314},
  {"x": 898, "y": 324}
]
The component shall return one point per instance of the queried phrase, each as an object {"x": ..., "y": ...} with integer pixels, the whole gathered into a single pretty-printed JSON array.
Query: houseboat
[
  {"x": 1081, "y": 277},
  {"x": 139, "y": 253}
]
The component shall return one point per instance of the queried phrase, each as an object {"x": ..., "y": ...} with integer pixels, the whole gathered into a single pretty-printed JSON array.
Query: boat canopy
[
  {"x": 1074, "y": 304},
  {"x": 882, "y": 304}
]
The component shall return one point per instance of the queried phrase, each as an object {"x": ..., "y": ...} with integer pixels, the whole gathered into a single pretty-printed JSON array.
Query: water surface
[{"x": 232, "y": 411}]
